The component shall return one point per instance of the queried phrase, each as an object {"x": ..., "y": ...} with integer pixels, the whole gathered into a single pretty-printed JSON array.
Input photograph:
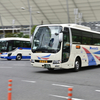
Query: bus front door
[{"x": 66, "y": 47}]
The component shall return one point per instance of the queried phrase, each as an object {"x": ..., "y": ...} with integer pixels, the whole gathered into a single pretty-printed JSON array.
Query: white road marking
[
  {"x": 29, "y": 81},
  {"x": 62, "y": 85},
  {"x": 5, "y": 67},
  {"x": 97, "y": 90},
  {"x": 65, "y": 97}
]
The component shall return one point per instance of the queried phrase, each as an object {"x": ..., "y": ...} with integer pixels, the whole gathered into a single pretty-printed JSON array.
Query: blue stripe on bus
[
  {"x": 98, "y": 52},
  {"x": 14, "y": 57},
  {"x": 26, "y": 57},
  {"x": 91, "y": 59},
  {"x": 24, "y": 48}
]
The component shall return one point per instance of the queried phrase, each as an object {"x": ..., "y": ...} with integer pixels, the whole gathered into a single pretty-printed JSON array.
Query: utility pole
[
  {"x": 31, "y": 21},
  {"x": 68, "y": 11},
  {"x": 13, "y": 22},
  {"x": 76, "y": 14},
  {"x": 2, "y": 27}
]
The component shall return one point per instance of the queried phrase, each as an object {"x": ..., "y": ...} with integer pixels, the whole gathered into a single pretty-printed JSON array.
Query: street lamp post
[
  {"x": 31, "y": 21},
  {"x": 68, "y": 11},
  {"x": 13, "y": 22},
  {"x": 76, "y": 13},
  {"x": 78, "y": 16},
  {"x": 2, "y": 27}
]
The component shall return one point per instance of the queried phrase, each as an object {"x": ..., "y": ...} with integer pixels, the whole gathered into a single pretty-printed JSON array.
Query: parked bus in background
[
  {"x": 65, "y": 46},
  {"x": 15, "y": 48}
]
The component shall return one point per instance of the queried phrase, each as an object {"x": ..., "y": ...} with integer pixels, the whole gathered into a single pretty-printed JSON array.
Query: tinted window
[
  {"x": 76, "y": 36},
  {"x": 26, "y": 44},
  {"x": 84, "y": 37},
  {"x": 96, "y": 39},
  {"x": 87, "y": 38},
  {"x": 22, "y": 44},
  {"x": 81, "y": 37}
]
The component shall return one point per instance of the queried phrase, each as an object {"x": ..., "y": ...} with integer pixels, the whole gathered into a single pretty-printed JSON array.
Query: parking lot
[{"x": 31, "y": 83}]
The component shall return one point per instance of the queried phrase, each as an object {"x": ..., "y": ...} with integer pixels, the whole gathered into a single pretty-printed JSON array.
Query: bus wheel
[
  {"x": 77, "y": 65},
  {"x": 18, "y": 57},
  {"x": 8, "y": 59},
  {"x": 50, "y": 69}
]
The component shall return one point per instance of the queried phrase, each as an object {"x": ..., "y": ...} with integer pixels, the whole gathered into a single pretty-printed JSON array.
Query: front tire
[
  {"x": 51, "y": 69},
  {"x": 9, "y": 59},
  {"x": 18, "y": 57},
  {"x": 77, "y": 65}
]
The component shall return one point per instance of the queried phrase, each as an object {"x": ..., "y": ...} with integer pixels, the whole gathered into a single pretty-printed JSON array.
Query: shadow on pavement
[{"x": 64, "y": 71}]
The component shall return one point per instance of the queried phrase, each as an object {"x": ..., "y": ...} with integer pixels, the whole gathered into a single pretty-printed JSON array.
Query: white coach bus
[
  {"x": 15, "y": 48},
  {"x": 65, "y": 46}
]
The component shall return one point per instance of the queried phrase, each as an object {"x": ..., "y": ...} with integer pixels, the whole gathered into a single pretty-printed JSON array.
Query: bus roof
[
  {"x": 75, "y": 26},
  {"x": 69, "y": 25},
  {"x": 14, "y": 38}
]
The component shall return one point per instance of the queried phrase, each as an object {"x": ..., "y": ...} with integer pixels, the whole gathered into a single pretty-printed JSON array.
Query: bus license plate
[{"x": 47, "y": 66}]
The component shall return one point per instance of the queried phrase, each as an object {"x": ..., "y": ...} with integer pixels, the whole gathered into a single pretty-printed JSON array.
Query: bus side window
[
  {"x": 26, "y": 44},
  {"x": 87, "y": 38},
  {"x": 10, "y": 48},
  {"x": 21, "y": 44},
  {"x": 96, "y": 39},
  {"x": 76, "y": 36},
  {"x": 16, "y": 43},
  {"x": 10, "y": 44}
]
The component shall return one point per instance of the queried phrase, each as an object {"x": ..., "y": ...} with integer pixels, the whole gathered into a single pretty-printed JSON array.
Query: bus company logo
[
  {"x": 44, "y": 57},
  {"x": 94, "y": 48}
]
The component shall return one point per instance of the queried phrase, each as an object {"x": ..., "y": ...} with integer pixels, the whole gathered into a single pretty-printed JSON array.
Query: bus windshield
[
  {"x": 46, "y": 39},
  {"x": 3, "y": 46}
]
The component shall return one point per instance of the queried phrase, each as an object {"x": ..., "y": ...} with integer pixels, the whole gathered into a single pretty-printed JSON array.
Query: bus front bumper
[
  {"x": 46, "y": 65},
  {"x": 6, "y": 57}
]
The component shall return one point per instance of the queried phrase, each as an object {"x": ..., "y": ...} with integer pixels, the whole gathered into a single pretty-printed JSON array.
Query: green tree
[
  {"x": 10, "y": 35},
  {"x": 26, "y": 36},
  {"x": 33, "y": 28},
  {"x": 20, "y": 34}
]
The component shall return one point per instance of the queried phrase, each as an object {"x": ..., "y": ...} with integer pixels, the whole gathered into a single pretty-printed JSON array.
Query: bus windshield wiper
[
  {"x": 45, "y": 50},
  {"x": 52, "y": 50},
  {"x": 41, "y": 49}
]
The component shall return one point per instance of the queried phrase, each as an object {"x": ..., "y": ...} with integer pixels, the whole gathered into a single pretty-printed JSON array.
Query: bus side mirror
[
  {"x": 31, "y": 39},
  {"x": 60, "y": 37}
]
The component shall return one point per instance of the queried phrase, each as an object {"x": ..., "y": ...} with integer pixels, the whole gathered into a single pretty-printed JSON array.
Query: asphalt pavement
[{"x": 31, "y": 83}]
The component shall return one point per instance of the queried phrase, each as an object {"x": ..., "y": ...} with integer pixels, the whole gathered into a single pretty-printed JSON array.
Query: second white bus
[
  {"x": 15, "y": 48},
  {"x": 65, "y": 46}
]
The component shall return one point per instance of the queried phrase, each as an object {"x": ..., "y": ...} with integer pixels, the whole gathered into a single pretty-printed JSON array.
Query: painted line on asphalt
[
  {"x": 97, "y": 90},
  {"x": 5, "y": 67},
  {"x": 65, "y": 97},
  {"x": 62, "y": 85},
  {"x": 29, "y": 81}
]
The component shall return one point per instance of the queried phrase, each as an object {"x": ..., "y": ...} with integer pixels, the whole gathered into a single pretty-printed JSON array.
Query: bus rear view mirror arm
[
  {"x": 60, "y": 37},
  {"x": 31, "y": 39}
]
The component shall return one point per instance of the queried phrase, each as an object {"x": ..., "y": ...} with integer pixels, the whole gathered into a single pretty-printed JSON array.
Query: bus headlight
[
  {"x": 56, "y": 62},
  {"x": 31, "y": 60},
  {"x": 9, "y": 54}
]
